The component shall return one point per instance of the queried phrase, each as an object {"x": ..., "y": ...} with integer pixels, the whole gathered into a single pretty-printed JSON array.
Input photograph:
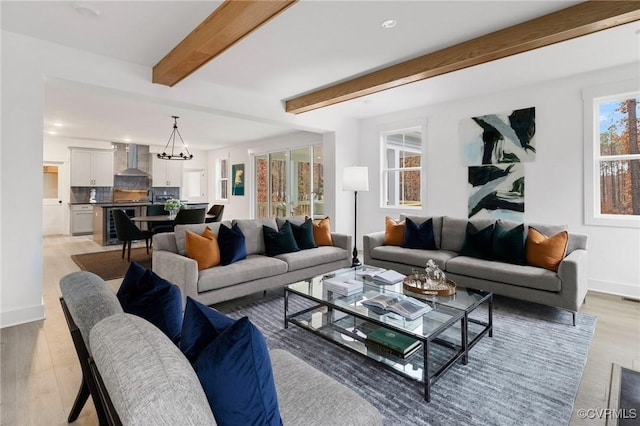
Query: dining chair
[
  {"x": 217, "y": 210},
  {"x": 188, "y": 216},
  {"x": 127, "y": 231},
  {"x": 157, "y": 227}
]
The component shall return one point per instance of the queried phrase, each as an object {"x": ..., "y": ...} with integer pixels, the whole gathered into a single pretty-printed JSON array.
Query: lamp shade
[{"x": 355, "y": 179}]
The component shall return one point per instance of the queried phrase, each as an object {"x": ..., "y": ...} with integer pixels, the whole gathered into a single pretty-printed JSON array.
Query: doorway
[
  {"x": 290, "y": 183},
  {"x": 52, "y": 207},
  {"x": 194, "y": 187}
]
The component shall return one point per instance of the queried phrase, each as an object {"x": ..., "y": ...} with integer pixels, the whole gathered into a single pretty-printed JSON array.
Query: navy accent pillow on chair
[
  {"x": 419, "y": 236},
  {"x": 232, "y": 244},
  {"x": 508, "y": 244},
  {"x": 279, "y": 242},
  {"x": 201, "y": 325},
  {"x": 478, "y": 243},
  {"x": 233, "y": 366},
  {"x": 153, "y": 298},
  {"x": 303, "y": 235}
]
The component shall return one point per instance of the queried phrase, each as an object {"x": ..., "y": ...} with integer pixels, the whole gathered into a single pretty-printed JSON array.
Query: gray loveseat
[
  {"x": 139, "y": 377},
  {"x": 256, "y": 273},
  {"x": 565, "y": 288}
]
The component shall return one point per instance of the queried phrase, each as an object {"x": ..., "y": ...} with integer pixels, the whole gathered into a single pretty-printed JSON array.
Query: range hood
[{"x": 132, "y": 163}]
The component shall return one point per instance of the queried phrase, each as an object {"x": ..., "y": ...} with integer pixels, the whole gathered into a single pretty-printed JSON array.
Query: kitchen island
[{"x": 104, "y": 230}]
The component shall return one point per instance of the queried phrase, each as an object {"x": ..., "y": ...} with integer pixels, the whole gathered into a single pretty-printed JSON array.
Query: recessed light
[
  {"x": 58, "y": 124},
  {"x": 389, "y": 23},
  {"x": 51, "y": 132},
  {"x": 127, "y": 139},
  {"x": 86, "y": 9}
]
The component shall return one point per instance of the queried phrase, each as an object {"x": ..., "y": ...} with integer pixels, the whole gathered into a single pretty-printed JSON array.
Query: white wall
[{"x": 553, "y": 182}]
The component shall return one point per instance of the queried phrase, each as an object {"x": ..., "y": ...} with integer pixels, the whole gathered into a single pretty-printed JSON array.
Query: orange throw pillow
[
  {"x": 203, "y": 249},
  {"x": 322, "y": 232},
  {"x": 393, "y": 232},
  {"x": 545, "y": 252}
]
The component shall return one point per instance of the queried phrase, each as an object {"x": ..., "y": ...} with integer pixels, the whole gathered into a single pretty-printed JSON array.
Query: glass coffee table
[
  {"x": 467, "y": 300},
  {"x": 345, "y": 321}
]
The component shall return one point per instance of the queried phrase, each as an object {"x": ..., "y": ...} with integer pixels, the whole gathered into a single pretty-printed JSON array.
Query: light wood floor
[{"x": 41, "y": 374}]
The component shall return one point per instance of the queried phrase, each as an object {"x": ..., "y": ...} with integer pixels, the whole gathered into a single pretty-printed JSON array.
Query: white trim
[
  {"x": 417, "y": 124},
  {"x": 619, "y": 289},
  {"x": 590, "y": 95},
  {"x": 22, "y": 316}
]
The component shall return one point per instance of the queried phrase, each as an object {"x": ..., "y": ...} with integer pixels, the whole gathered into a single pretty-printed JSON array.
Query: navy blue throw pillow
[
  {"x": 232, "y": 245},
  {"x": 303, "y": 235},
  {"x": 478, "y": 243},
  {"x": 279, "y": 242},
  {"x": 154, "y": 299},
  {"x": 201, "y": 325},
  {"x": 419, "y": 236},
  {"x": 232, "y": 362},
  {"x": 508, "y": 244}
]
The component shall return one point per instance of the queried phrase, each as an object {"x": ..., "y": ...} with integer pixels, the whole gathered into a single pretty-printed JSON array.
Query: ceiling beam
[
  {"x": 576, "y": 21},
  {"x": 227, "y": 25}
]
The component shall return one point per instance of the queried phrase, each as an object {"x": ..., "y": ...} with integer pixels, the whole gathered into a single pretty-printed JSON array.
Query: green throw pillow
[
  {"x": 478, "y": 243},
  {"x": 279, "y": 242},
  {"x": 508, "y": 244},
  {"x": 303, "y": 234}
]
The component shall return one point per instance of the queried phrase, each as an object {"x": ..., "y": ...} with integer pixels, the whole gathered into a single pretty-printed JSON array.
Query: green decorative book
[{"x": 398, "y": 343}]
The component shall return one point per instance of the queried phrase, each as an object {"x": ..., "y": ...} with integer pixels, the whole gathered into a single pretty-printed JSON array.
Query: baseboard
[
  {"x": 618, "y": 289},
  {"x": 22, "y": 316}
]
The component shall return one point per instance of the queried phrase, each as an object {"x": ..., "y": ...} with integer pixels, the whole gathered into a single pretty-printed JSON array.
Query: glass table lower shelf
[{"x": 441, "y": 333}]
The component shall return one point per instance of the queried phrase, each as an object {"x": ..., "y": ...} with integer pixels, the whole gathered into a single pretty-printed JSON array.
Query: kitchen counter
[
  {"x": 139, "y": 204},
  {"x": 103, "y": 225}
]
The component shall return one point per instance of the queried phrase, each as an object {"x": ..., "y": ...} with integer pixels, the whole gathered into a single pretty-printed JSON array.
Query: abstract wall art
[
  {"x": 237, "y": 174},
  {"x": 497, "y": 191},
  {"x": 499, "y": 138}
]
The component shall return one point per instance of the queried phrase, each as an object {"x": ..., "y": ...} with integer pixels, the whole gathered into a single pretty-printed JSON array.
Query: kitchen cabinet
[
  {"x": 166, "y": 172},
  {"x": 81, "y": 219},
  {"x": 91, "y": 167}
]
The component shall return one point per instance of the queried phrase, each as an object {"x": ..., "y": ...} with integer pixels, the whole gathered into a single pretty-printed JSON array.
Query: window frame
[
  {"x": 220, "y": 180},
  {"x": 592, "y": 97},
  {"x": 384, "y": 170}
]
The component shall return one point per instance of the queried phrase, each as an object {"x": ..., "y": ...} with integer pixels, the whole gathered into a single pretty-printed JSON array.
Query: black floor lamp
[{"x": 355, "y": 179}]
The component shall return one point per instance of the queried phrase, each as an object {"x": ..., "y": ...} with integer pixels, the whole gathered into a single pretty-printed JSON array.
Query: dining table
[{"x": 163, "y": 218}]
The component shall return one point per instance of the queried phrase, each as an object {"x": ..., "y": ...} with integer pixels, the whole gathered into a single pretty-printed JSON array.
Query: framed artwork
[
  {"x": 499, "y": 138},
  {"x": 237, "y": 174},
  {"x": 497, "y": 191}
]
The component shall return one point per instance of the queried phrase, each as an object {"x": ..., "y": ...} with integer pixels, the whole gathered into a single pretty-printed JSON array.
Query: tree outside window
[
  {"x": 618, "y": 157},
  {"x": 402, "y": 168},
  {"x": 223, "y": 180}
]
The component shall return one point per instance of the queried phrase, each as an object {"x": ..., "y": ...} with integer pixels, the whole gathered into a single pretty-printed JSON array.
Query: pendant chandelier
[{"x": 183, "y": 153}]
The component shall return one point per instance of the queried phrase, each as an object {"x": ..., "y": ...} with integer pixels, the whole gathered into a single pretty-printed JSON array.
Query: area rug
[
  {"x": 528, "y": 373},
  {"x": 110, "y": 265}
]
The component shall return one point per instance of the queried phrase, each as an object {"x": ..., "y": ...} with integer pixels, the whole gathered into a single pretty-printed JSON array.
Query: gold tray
[{"x": 440, "y": 288}]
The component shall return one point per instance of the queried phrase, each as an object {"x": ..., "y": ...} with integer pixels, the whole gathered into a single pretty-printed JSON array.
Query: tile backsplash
[{"x": 81, "y": 194}]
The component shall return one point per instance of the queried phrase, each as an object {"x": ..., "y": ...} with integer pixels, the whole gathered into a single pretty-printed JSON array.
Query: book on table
[
  {"x": 382, "y": 276},
  {"x": 342, "y": 287},
  {"x": 388, "y": 341},
  {"x": 408, "y": 307}
]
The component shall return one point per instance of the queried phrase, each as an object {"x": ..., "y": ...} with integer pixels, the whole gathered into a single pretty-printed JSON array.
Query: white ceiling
[{"x": 309, "y": 45}]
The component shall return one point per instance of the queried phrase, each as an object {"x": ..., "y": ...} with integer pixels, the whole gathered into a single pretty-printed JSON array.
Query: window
[
  {"x": 222, "y": 187},
  {"x": 402, "y": 168},
  {"x": 612, "y": 161}
]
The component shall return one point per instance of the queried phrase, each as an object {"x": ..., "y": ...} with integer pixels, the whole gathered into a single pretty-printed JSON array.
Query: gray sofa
[
  {"x": 565, "y": 289},
  {"x": 256, "y": 273},
  {"x": 142, "y": 377}
]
